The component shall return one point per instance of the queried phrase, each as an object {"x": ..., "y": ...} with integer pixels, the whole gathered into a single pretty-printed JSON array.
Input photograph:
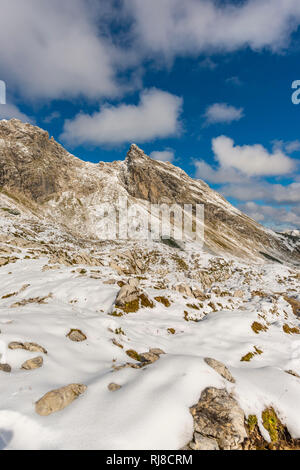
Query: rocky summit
[{"x": 150, "y": 343}]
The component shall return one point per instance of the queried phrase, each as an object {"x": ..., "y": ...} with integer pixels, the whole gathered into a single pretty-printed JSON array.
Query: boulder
[{"x": 220, "y": 368}]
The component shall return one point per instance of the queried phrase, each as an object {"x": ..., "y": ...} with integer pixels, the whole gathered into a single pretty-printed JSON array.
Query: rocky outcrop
[
  {"x": 219, "y": 422},
  {"x": 34, "y": 363}
]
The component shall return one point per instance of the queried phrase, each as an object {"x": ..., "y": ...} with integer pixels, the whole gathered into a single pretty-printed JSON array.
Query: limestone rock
[
  {"x": 5, "y": 368},
  {"x": 217, "y": 415},
  {"x": 127, "y": 293},
  {"x": 58, "y": 399},
  {"x": 114, "y": 387},
  {"x": 34, "y": 363},
  {"x": 149, "y": 357},
  {"x": 156, "y": 351},
  {"x": 203, "y": 443},
  {"x": 239, "y": 293},
  {"x": 49, "y": 181},
  {"x": 220, "y": 368},
  {"x": 33, "y": 347},
  {"x": 184, "y": 289},
  {"x": 117, "y": 268}
]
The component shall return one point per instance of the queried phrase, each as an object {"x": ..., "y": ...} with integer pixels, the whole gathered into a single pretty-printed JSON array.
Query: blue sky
[{"x": 205, "y": 84}]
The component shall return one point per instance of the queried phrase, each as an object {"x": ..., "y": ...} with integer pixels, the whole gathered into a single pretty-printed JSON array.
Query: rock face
[
  {"x": 57, "y": 400},
  {"x": 218, "y": 421},
  {"x": 41, "y": 179}
]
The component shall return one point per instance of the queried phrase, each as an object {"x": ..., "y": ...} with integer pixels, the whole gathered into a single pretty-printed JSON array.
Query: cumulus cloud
[
  {"x": 263, "y": 191},
  {"x": 217, "y": 175},
  {"x": 201, "y": 25},
  {"x": 222, "y": 113},
  {"x": 277, "y": 217},
  {"x": 10, "y": 111},
  {"x": 155, "y": 116},
  {"x": 252, "y": 160},
  {"x": 163, "y": 155}
]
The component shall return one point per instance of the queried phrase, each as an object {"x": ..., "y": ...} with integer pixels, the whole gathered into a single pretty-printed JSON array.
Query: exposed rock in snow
[
  {"x": 41, "y": 180},
  {"x": 34, "y": 363},
  {"x": 76, "y": 335},
  {"x": 114, "y": 387},
  {"x": 220, "y": 368},
  {"x": 5, "y": 368},
  {"x": 151, "y": 311},
  {"x": 57, "y": 400}
]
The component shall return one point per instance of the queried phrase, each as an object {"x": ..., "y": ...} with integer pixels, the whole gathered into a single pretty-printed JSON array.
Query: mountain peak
[{"x": 135, "y": 154}]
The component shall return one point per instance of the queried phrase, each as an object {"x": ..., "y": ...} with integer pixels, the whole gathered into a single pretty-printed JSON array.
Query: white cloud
[
  {"x": 72, "y": 48},
  {"x": 57, "y": 49},
  {"x": 173, "y": 27},
  {"x": 222, "y": 113},
  {"x": 218, "y": 175},
  {"x": 163, "y": 156},
  {"x": 288, "y": 147},
  {"x": 252, "y": 160},
  {"x": 156, "y": 116},
  {"x": 9, "y": 111},
  {"x": 263, "y": 191},
  {"x": 234, "y": 81}
]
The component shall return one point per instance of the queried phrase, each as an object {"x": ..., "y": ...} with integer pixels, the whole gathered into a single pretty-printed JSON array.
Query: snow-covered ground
[{"x": 151, "y": 409}]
